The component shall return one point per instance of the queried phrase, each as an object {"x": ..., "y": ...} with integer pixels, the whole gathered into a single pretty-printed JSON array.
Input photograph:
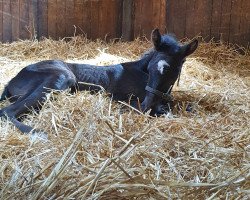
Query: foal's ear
[
  {"x": 190, "y": 47},
  {"x": 156, "y": 38}
]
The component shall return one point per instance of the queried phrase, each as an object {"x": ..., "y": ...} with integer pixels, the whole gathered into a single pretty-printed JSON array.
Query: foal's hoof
[{"x": 38, "y": 135}]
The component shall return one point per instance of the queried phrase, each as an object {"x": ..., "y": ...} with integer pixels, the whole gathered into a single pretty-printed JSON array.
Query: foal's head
[{"x": 164, "y": 67}]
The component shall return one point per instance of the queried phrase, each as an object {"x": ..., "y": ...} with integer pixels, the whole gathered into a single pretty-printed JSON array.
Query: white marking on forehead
[{"x": 161, "y": 64}]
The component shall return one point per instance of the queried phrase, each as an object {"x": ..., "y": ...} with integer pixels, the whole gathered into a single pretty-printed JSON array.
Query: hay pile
[{"x": 97, "y": 151}]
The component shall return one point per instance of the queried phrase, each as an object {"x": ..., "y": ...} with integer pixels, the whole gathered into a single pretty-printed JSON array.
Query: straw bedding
[{"x": 98, "y": 150}]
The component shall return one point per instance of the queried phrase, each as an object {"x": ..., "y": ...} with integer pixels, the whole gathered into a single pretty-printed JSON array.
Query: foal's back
[
  {"x": 41, "y": 73},
  {"x": 120, "y": 80}
]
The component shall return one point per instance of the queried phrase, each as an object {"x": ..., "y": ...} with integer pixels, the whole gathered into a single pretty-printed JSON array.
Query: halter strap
[{"x": 166, "y": 96}]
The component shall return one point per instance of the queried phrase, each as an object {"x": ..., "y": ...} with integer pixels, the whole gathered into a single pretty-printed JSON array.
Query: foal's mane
[
  {"x": 148, "y": 53},
  {"x": 168, "y": 42}
]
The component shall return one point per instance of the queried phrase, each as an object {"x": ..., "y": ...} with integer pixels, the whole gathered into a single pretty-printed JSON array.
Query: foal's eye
[{"x": 162, "y": 66}]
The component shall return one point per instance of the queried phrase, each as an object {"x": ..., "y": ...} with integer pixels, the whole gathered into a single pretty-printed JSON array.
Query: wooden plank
[
  {"x": 237, "y": 28},
  {"x": 24, "y": 19},
  {"x": 52, "y": 19},
  {"x": 234, "y": 32},
  {"x": 118, "y": 18},
  {"x": 143, "y": 25},
  {"x": 205, "y": 8},
  {"x": 176, "y": 18},
  {"x": 113, "y": 29},
  {"x": 158, "y": 17},
  {"x": 33, "y": 20},
  {"x": 94, "y": 19},
  {"x": 109, "y": 19},
  {"x": 162, "y": 21},
  {"x": 128, "y": 20},
  {"x": 244, "y": 38},
  {"x": 170, "y": 16},
  {"x": 225, "y": 20},
  {"x": 191, "y": 19},
  {"x": 69, "y": 19},
  {"x": 15, "y": 19},
  {"x": 86, "y": 19},
  {"x": 149, "y": 14},
  {"x": 7, "y": 21},
  {"x": 102, "y": 24},
  {"x": 216, "y": 20},
  {"x": 147, "y": 23},
  {"x": 198, "y": 18},
  {"x": 78, "y": 10},
  {"x": 60, "y": 19},
  {"x": 137, "y": 18},
  {"x": 1, "y": 21},
  {"x": 42, "y": 13}
]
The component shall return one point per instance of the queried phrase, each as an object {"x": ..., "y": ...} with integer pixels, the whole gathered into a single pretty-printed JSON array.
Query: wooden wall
[{"x": 226, "y": 20}]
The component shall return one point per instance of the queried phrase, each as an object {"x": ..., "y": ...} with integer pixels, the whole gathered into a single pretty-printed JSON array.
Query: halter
[{"x": 166, "y": 96}]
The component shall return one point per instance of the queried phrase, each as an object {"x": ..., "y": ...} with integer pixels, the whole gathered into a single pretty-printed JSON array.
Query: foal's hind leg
[
  {"x": 34, "y": 98},
  {"x": 22, "y": 105}
]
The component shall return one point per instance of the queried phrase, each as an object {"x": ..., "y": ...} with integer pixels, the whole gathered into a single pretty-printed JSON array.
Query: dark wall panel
[
  {"x": 42, "y": 18},
  {"x": 176, "y": 17},
  {"x": 69, "y": 18},
  {"x": 149, "y": 14},
  {"x": 225, "y": 20},
  {"x": 216, "y": 19},
  {"x": 15, "y": 19},
  {"x": 7, "y": 21},
  {"x": 24, "y": 19},
  {"x": 1, "y": 20}
]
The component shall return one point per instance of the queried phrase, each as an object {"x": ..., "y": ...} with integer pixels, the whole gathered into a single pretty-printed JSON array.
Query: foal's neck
[{"x": 142, "y": 63}]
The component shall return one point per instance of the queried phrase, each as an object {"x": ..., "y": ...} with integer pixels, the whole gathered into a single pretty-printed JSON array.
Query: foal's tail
[{"x": 4, "y": 94}]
